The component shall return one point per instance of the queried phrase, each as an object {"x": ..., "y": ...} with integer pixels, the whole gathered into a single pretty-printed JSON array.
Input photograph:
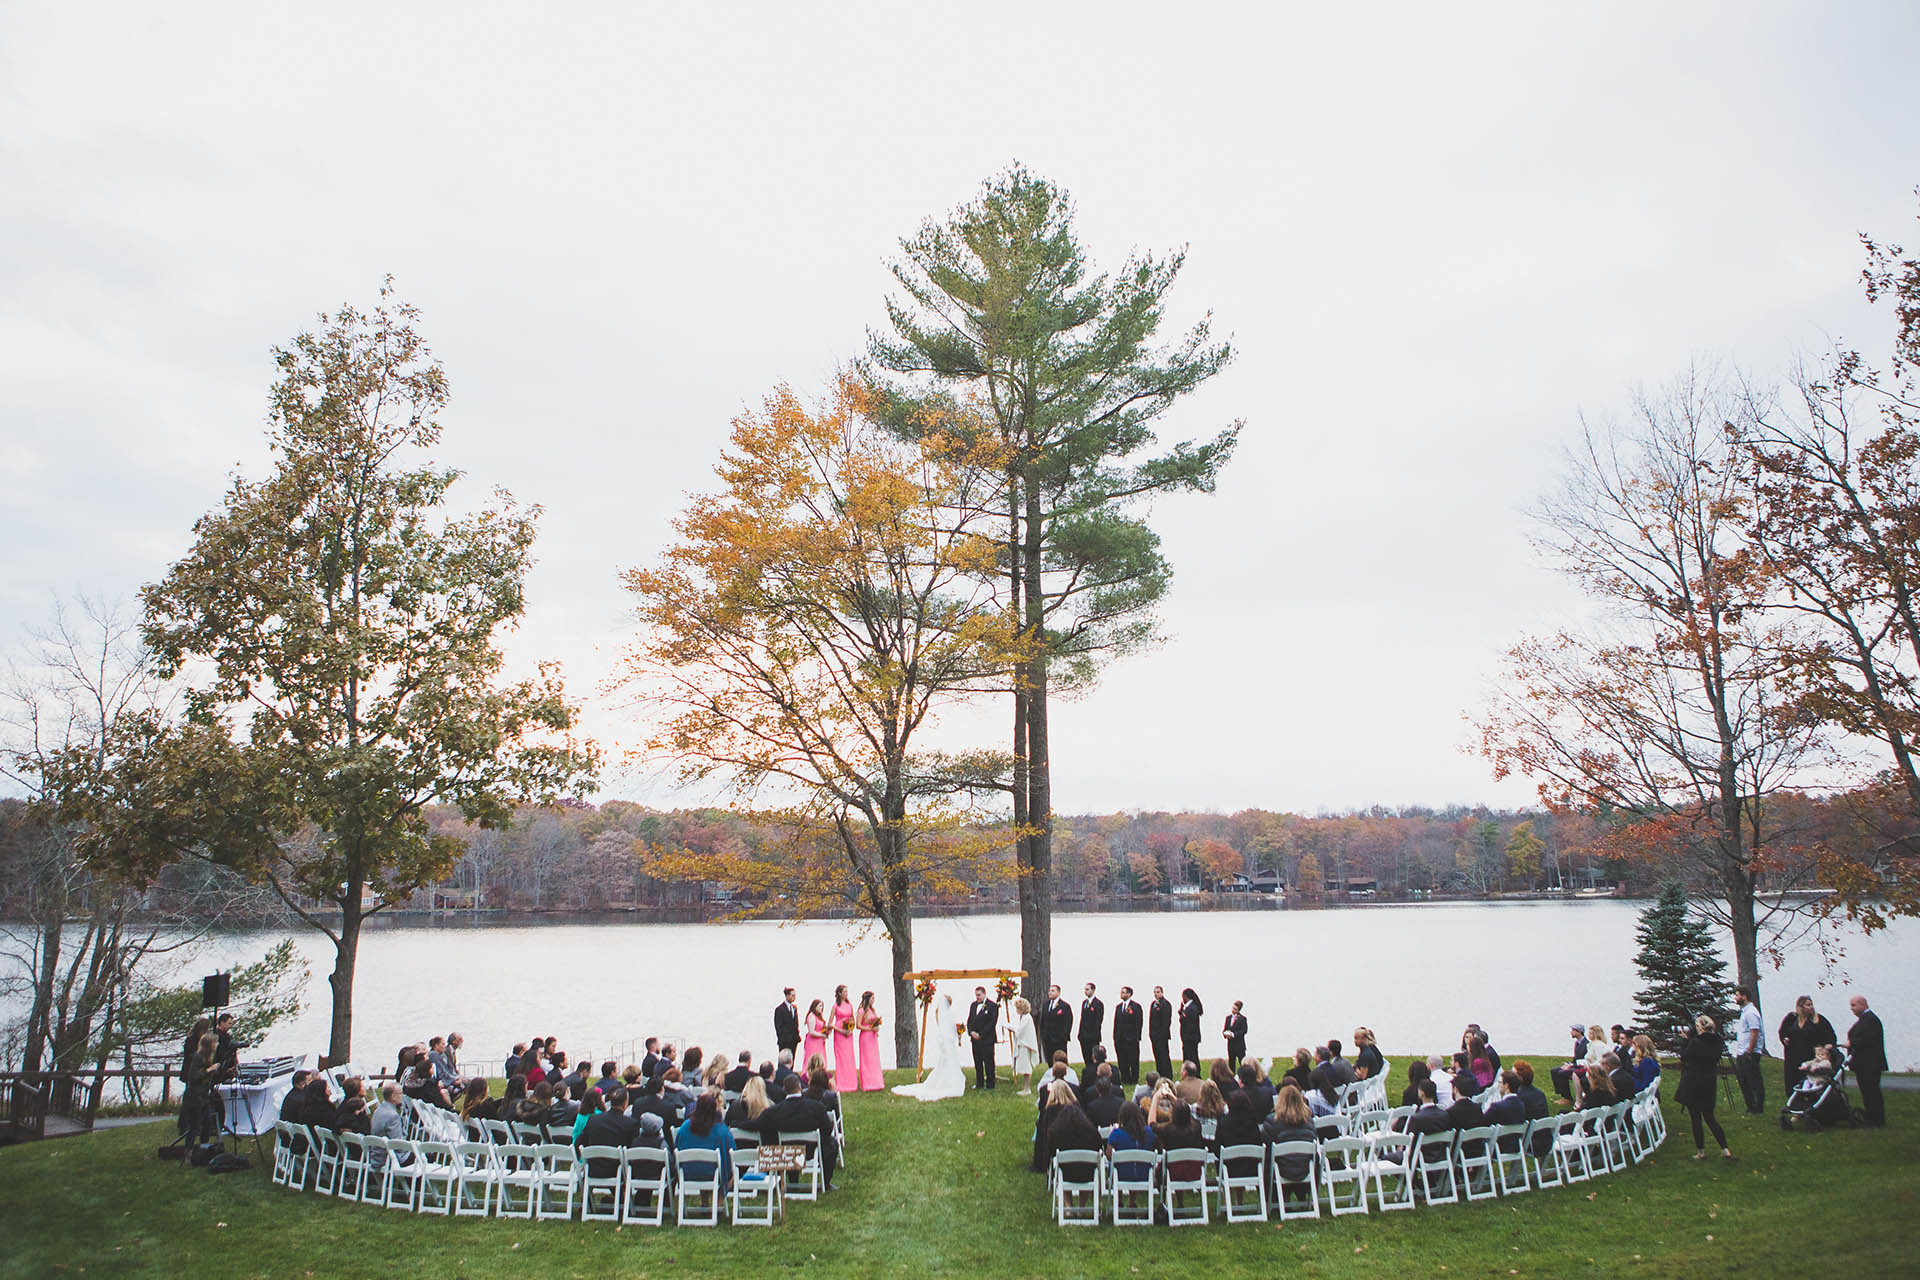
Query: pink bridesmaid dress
[
  {"x": 869, "y": 1024},
  {"x": 815, "y": 1041},
  {"x": 846, "y": 1075}
]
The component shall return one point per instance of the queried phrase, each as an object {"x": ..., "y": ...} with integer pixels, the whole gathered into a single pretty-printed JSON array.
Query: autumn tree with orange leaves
[
  {"x": 802, "y": 634},
  {"x": 1669, "y": 711}
]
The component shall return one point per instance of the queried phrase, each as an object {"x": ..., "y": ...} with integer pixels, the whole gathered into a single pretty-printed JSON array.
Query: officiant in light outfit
[
  {"x": 946, "y": 1076},
  {"x": 1025, "y": 1043}
]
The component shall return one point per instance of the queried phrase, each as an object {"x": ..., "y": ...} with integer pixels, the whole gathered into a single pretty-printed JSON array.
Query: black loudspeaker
[{"x": 213, "y": 991}]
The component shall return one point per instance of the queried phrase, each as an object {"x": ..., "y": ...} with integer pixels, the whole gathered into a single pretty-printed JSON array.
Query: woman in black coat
[
  {"x": 1240, "y": 1127},
  {"x": 1190, "y": 1013},
  {"x": 1801, "y": 1032},
  {"x": 1700, "y": 1055}
]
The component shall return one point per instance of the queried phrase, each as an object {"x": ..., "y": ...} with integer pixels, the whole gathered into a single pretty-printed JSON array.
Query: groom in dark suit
[
  {"x": 983, "y": 1023},
  {"x": 786, "y": 1023}
]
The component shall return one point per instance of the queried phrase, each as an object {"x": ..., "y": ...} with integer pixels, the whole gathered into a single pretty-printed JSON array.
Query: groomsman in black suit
[
  {"x": 1236, "y": 1033},
  {"x": 1056, "y": 1026},
  {"x": 1093, "y": 1016},
  {"x": 1126, "y": 1036},
  {"x": 983, "y": 1024},
  {"x": 786, "y": 1023},
  {"x": 1160, "y": 1032}
]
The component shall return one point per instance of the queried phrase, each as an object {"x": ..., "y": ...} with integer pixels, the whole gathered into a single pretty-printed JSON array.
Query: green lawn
[{"x": 942, "y": 1189}]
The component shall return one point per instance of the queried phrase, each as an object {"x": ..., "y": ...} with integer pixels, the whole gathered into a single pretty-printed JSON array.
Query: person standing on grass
[
  {"x": 1160, "y": 1032},
  {"x": 1749, "y": 1043},
  {"x": 1127, "y": 1020},
  {"x": 1867, "y": 1053},
  {"x": 1700, "y": 1053},
  {"x": 1235, "y": 1031},
  {"x": 1093, "y": 1016},
  {"x": 983, "y": 1026}
]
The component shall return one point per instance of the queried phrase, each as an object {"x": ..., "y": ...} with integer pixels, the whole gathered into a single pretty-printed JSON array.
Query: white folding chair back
[
  {"x": 528, "y": 1135},
  {"x": 1343, "y": 1173},
  {"x": 1510, "y": 1158},
  {"x": 698, "y": 1181},
  {"x": 600, "y": 1197},
  {"x": 1132, "y": 1176},
  {"x": 1570, "y": 1148},
  {"x": 326, "y": 1179},
  {"x": 353, "y": 1166},
  {"x": 476, "y": 1181},
  {"x": 284, "y": 1161},
  {"x": 1306, "y": 1191},
  {"x": 1075, "y": 1180},
  {"x": 1236, "y": 1204},
  {"x": 517, "y": 1187},
  {"x": 559, "y": 1180},
  {"x": 406, "y": 1174},
  {"x": 1616, "y": 1136},
  {"x": 498, "y": 1132},
  {"x": 1174, "y": 1187},
  {"x": 374, "y": 1183},
  {"x": 754, "y": 1199},
  {"x": 1433, "y": 1164},
  {"x": 645, "y": 1186},
  {"x": 805, "y": 1183},
  {"x": 1473, "y": 1161}
]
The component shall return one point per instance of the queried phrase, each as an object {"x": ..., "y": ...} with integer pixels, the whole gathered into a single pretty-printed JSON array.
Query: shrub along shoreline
[{"x": 942, "y": 1189}]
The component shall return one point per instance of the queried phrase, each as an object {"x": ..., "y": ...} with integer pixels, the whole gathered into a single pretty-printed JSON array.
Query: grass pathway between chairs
[{"x": 942, "y": 1189}]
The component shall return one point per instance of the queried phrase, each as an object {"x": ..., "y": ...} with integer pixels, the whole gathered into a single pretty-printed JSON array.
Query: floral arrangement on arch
[
  {"x": 1006, "y": 989},
  {"x": 923, "y": 992}
]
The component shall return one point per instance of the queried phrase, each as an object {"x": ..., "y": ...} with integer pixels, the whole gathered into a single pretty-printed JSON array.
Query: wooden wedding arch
[{"x": 945, "y": 975}]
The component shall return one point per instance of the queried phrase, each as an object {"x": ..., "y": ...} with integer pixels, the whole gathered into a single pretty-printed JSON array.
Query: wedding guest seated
[
  {"x": 1646, "y": 1063},
  {"x": 609, "y": 1078},
  {"x": 443, "y": 1068},
  {"x": 676, "y": 1091},
  {"x": 783, "y": 1067},
  {"x": 702, "y": 1131},
  {"x": 474, "y": 1102},
  {"x": 1071, "y": 1130},
  {"x": 1256, "y": 1086},
  {"x": 744, "y": 1111},
  {"x": 1130, "y": 1133},
  {"x": 1442, "y": 1080},
  {"x": 1508, "y": 1108},
  {"x": 611, "y": 1126},
  {"x": 351, "y": 1116},
  {"x": 583, "y": 1111},
  {"x": 1598, "y": 1094},
  {"x": 653, "y": 1101},
  {"x": 1620, "y": 1076},
  {"x": 317, "y": 1110},
  {"x": 511, "y": 1067},
  {"x": 1290, "y": 1122},
  {"x": 1212, "y": 1106},
  {"x": 1103, "y": 1108},
  {"x": 532, "y": 1107},
  {"x": 1301, "y": 1072},
  {"x": 1056, "y": 1096},
  {"x": 296, "y": 1096},
  {"x": 1143, "y": 1092},
  {"x": 1090, "y": 1071},
  {"x": 797, "y": 1114},
  {"x": 1160, "y": 1106},
  {"x": 1536, "y": 1104},
  {"x": 1464, "y": 1112},
  {"x": 1563, "y": 1075},
  {"x": 1338, "y": 1067},
  {"x": 574, "y": 1077},
  {"x": 1240, "y": 1126},
  {"x": 1188, "y": 1090},
  {"x": 422, "y": 1085},
  {"x": 650, "y": 1061},
  {"x": 820, "y": 1089},
  {"x": 736, "y": 1080},
  {"x": 388, "y": 1123},
  {"x": 1429, "y": 1117},
  {"x": 1368, "y": 1061},
  {"x": 1416, "y": 1072},
  {"x": 1221, "y": 1074},
  {"x": 1324, "y": 1097},
  {"x": 1181, "y": 1132},
  {"x": 533, "y": 1064},
  {"x": 632, "y": 1079},
  {"x": 1481, "y": 1065}
]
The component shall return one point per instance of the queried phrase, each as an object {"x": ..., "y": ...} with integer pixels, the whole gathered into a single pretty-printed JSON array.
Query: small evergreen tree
[{"x": 1682, "y": 972}]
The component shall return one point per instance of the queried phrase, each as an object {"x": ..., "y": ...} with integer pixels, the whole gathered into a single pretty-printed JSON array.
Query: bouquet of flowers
[
  {"x": 923, "y": 992},
  {"x": 1006, "y": 989},
  {"x": 846, "y": 1026}
]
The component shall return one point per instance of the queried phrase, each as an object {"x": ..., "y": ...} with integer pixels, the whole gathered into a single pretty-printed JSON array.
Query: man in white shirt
[{"x": 1749, "y": 1042}]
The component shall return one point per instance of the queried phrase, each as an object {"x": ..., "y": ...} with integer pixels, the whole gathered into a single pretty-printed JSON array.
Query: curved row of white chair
[
  {"x": 542, "y": 1179},
  {"x": 1367, "y": 1167}
]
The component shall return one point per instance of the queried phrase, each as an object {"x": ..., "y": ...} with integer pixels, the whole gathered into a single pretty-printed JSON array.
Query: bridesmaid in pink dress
[
  {"x": 846, "y": 1073},
  {"x": 867, "y": 1020},
  {"x": 815, "y": 1041}
]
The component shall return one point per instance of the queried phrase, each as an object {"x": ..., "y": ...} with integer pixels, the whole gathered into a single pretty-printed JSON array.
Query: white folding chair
[
  {"x": 529, "y": 1135},
  {"x": 604, "y": 1190},
  {"x": 1473, "y": 1162},
  {"x": 1131, "y": 1176},
  {"x": 1616, "y": 1135},
  {"x": 754, "y": 1199},
  {"x": 697, "y": 1179},
  {"x": 1343, "y": 1169},
  {"x": 1432, "y": 1167},
  {"x": 1543, "y": 1148},
  {"x": 476, "y": 1179},
  {"x": 1074, "y": 1178},
  {"x": 804, "y": 1183},
  {"x": 326, "y": 1178},
  {"x": 559, "y": 1180},
  {"x": 1243, "y": 1196},
  {"x": 1390, "y": 1164},
  {"x": 402, "y": 1184},
  {"x": 645, "y": 1186},
  {"x": 284, "y": 1161},
  {"x": 1570, "y": 1147},
  {"x": 353, "y": 1166},
  {"x": 438, "y": 1174},
  {"x": 499, "y": 1133},
  {"x": 1174, "y": 1186},
  {"x": 1510, "y": 1158},
  {"x": 517, "y": 1181},
  {"x": 1307, "y": 1206}
]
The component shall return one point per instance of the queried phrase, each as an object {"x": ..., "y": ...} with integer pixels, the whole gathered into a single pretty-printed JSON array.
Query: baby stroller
[{"x": 1819, "y": 1100}]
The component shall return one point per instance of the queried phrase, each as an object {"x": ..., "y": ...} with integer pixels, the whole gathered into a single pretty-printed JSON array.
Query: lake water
[{"x": 1415, "y": 974}]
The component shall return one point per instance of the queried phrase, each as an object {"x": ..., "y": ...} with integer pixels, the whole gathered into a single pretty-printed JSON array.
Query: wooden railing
[{"x": 25, "y": 1111}]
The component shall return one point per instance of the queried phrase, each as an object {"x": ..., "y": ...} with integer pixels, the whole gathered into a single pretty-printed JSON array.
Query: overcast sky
[{"x": 1436, "y": 234}]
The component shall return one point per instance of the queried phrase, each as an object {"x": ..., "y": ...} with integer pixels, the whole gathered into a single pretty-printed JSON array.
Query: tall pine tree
[{"x": 1682, "y": 971}]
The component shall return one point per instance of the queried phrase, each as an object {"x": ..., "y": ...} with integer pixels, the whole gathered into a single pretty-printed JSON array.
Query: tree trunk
[
  {"x": 346, "y": 950},
  {"x": 1036, "y": 878},
  {"x": 1746, "y": 951},
  {"x": 906, "y": 1030}
]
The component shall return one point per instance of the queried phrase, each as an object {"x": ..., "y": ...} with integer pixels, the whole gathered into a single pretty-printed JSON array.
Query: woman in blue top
[
  {"x": 703, "y": 1130},
  {"x": 1646, "y": 1064},
  {"x": 1130, "y": 1133}
]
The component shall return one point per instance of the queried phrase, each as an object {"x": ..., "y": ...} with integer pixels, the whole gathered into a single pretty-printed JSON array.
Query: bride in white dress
[{"x": 946, "y": 1078}]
